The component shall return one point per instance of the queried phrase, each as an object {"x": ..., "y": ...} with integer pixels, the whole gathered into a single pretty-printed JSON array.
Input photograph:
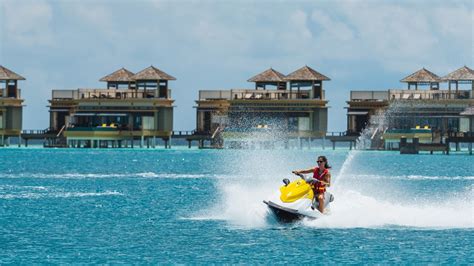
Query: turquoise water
[{"x": 205, "y": 206}]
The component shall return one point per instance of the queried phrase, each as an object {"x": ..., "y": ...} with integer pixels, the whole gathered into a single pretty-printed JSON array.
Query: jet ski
[{"x": 296, "y": 201}]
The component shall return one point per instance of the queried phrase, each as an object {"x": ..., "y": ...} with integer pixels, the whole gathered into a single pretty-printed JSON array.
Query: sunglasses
[{"x": 320, "y": 161}]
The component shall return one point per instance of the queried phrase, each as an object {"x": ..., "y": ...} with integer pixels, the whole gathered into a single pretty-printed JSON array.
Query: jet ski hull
[{"x": 284, "y": 214}]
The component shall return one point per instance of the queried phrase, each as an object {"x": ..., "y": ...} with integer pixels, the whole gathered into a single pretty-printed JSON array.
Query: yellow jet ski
[{"x": 296, "y": 200}]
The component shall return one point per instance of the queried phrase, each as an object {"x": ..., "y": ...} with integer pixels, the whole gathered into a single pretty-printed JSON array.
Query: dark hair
[{"x": 324, "y": 159}]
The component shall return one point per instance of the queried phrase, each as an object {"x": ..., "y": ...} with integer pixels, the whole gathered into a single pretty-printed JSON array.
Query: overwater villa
[
  {"x": 11, "y": 108},
  {"x": 293, "y": 105},
  {"x": 132, "y": 107},
  {"x": 427, "y": 114}
]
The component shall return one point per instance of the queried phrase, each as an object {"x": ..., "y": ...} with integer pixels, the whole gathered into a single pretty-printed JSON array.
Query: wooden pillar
[
  {"x": 350, "y": 145},
  {"x": 323, "y": 143},
  {"x": 189, "y": 144},
  {"x": 449, "y": 89},
  {"x": 333, "y": 144},
  {"x": 470, "y": 148}
]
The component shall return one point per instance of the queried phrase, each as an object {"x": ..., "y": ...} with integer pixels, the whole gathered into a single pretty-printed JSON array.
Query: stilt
[
  {"x": 26, "y": 142},
  {"x": 189, "y": 144},
  {"x": 350, "y": 145},
  {"x": 19, "y": 140},
  {"x": 169, "y": 143},
  {"x": 470, "y": 148},
  {"x": 154, "y": 142},
  {"x": 148, "y": 143},
  {"x": 457, "y": 146},
  {"x": 333, "y": 145},
  {"x": 142, "y": 141}
]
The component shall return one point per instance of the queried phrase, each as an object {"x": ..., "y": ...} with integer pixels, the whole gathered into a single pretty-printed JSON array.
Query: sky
[{"x": 211, "y": 45}]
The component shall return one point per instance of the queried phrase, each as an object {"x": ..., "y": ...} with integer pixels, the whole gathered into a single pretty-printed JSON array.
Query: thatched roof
[
  {"x": 152, "y": 73},
  {"x": 422, "y": 75},
  {"x": 464, "y": 74},
  {"x": 468, "y": 111},
  {"x": 307, "y": 74},
  {"x": 121, "y": 75},
  {"x": 269, "y": 75},
  {"x": 7, "y": 74}
]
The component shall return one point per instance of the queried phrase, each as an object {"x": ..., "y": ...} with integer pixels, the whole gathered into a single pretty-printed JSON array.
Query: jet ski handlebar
[{"x": 298, "y": 174}]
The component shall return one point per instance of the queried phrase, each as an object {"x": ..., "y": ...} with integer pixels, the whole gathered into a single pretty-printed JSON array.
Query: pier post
[
  {"x": 350, "y": 145},
  {"x": 26, "y": 142},
  {"x": 19, "y": 140},
  {"x": 148, "y": 142},
  {"x": 141, "y": 141},
  {"x": 457, "y": 146},
  {"x": 323, "y": 144},
  {"x": 169, "y": 144},
  {"x": 154, "y": 142},
  {"x": 189, "y": 144},
  {"x": 333, "y": 145},
  {"x": 470, "y": 148}
]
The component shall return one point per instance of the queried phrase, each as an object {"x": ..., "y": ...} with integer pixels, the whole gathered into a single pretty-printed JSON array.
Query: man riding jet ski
[{"x": 302, "y": 198}]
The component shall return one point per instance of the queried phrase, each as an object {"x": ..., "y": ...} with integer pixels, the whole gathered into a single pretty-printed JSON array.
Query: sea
[{"x": 198, "y": 206}]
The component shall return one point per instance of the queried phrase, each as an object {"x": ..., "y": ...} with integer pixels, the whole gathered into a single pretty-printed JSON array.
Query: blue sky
[{"x": 360, "y": 45}]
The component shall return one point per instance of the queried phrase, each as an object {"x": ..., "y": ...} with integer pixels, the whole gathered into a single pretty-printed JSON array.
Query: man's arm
[
  {"x": 306, "y": 171},
  {"x": 327, "y": 179}
]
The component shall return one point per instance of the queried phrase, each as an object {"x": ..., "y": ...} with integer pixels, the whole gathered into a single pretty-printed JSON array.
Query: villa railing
[
  {"x": 183, "y": 132},
  {"x": 36, "y": 131},
  {"x": 429, "y": 94},
  {"x": 105, "y": 94},
  {"x": 3, "y": 94},
  {"x": 369, "y": 96},
  {"x": 244, "y": 94},
  {"x": 396, "y": 94}
]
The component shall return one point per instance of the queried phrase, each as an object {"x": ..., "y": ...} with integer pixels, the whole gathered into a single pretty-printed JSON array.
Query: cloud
[
  {"x": 28, "y": 23},
  {"x": 94, "y": 14}
]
